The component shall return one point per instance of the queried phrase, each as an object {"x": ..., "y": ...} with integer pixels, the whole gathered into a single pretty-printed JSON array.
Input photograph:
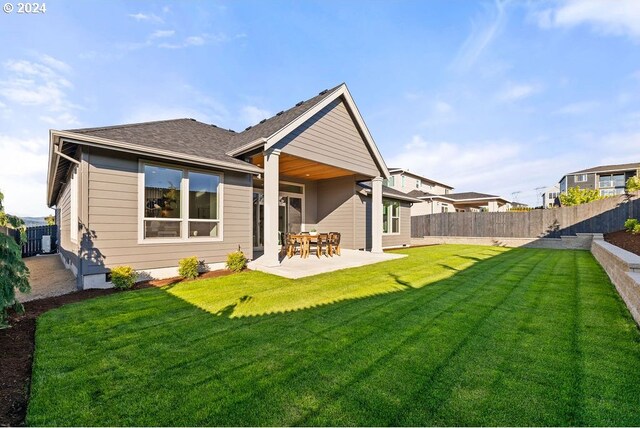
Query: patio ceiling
[{"x": 294, "y": 166}]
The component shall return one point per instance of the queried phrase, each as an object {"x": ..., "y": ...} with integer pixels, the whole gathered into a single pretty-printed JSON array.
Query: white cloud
[
  {"x": 23, "y": 175},
  {"x": 577, "y": 108},
  {"x": 34, "y": 84},
  {"x": 55, "y": 63},
  {"x": 161, "y": 34},
  {"x": 443, "y": 108},
  {"x": 252, "y": 114},
  {"x": 484, "y": 29},
  {"x": 150, "y": 17},
  {"x": 194, "y": 41},
  {"x": 517, "y": 91},
  {"x": 609, "y": 17}
]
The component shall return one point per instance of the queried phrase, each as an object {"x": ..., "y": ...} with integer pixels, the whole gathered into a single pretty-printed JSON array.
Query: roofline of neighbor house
[
  {"x": 406, "y": 171},
  {"x": 56, "y": 136},
  {"x": 367, "y": 191}
]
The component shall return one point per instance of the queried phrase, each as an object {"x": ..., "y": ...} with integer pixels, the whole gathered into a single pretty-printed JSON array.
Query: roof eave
[{"x": 247, "y": 147}]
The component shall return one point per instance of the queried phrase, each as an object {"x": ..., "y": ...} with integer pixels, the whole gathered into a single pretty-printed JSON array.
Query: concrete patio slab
[{"x": 297, "y": 267}]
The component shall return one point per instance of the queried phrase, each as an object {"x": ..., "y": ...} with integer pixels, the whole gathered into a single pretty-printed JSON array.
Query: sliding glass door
[{"x": 290, "y": 211}]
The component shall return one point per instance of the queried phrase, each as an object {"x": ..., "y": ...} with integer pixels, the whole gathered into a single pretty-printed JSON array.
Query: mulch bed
[
  {"x": 17, "y": 344},
  {"x": 624, "y": 240}
]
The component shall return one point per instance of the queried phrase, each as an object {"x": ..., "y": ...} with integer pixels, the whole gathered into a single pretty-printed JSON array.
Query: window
[
  {"x": 403, "y": 181},
  {"x": 611, "y": 192},
  {"x": 203, "y": 204},
  {"x": 389, "y": 182},
  {"x": 611, "y": 180},
  {"x": 418, "y": 184},
  {"x": 390, "y": 217},
  {"x": 180, "y": 204},
  {"x": 445, "y": 208},
  {"x": 580, "y": 178},
  {"x": 73, "y": 206}
]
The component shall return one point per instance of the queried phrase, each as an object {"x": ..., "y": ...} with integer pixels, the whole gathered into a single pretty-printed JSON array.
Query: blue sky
[{"x": 495, "y": 97}]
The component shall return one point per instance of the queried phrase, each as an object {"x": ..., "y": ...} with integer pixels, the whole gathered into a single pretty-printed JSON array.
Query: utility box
[{"x": 46, "y": 243}]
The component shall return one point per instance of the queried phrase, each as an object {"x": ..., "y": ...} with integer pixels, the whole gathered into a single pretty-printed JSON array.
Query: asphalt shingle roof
[
  {"x": 470, "y": 195},
  {"x": 606, "y": 168},
  {"x": 190, "y": 137}
]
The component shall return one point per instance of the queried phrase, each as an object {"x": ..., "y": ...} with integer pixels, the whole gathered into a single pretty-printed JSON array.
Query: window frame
[
  {"x": 577, "y": 178},
  {"x": 390, "y": 217},
  {"x": 74, "y": 212},
  {"x": 184, "y": 206}
]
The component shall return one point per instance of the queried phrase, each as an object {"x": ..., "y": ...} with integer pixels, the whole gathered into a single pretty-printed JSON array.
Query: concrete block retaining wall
[{"x": 623, "y": 269}]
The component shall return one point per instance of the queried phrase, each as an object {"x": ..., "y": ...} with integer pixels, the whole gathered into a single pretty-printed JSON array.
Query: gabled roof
[
  {"x": 389, "y": 192},
  {"x": 193, "y": 141},
  {"x": 422, "y": 177},
  {"x": 610, "y": 168},
  {"x": 426, "y": 195}
]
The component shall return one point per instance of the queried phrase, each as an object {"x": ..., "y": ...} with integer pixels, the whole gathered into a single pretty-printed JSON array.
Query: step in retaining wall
[{"x": 623, "y": 269}]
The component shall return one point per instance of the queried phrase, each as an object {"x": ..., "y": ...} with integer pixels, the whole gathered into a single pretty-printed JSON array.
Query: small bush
[
  {"x": 630, "y": 224},
  {"x": 636, "y": 229},
  {"x": 236, "y": 261},
  {"x": 188, "y": 267},
  {"x": 633, "y": 184},
  {"x": 14, "y": 275},
  {"x": 123, "y": 277}
]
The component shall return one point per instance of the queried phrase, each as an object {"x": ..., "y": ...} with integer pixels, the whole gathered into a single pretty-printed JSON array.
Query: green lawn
[{"x": 451, "y": 335}]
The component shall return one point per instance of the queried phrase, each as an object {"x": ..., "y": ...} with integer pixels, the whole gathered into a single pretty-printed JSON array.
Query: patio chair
[
  {"x": 334, "y": 243},
  {"x": 290, "y": 245},
  {"x": 322, "y": 244}
]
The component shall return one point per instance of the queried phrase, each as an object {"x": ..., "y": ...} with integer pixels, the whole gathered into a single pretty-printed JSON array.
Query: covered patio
[{"x": 298, "y": 267}]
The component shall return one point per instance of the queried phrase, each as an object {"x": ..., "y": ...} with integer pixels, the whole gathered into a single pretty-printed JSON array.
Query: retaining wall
[
  {"x": 623, "y": 269},
  {"x": 581, "y": 241}
]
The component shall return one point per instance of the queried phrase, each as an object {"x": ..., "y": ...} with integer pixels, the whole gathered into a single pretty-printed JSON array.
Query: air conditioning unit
[{"x": 46, "y": 244}]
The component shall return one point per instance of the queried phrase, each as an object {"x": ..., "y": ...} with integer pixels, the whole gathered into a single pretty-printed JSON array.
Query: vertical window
[
  {"x": 390, "y": 217},
  {"x": 403, "y": 181},
  {"x": 162, "y": 217},
  {"x": 203, "y": 204},
  {"x": 418, "y": 184},
  {"x": 73, "y": 206}
]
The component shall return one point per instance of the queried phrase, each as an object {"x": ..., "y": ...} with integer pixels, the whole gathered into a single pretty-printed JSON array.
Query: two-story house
[
  {"x": 608, "y": 179},
  {"x": 438, "y": 197},
  {"x": 550, "y": 195}
]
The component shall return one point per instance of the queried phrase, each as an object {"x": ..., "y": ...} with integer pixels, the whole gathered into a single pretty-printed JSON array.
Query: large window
[
  {"x": 611, "y": 180},
  {"x": 168, "y": 214},
  {"x": 580, "y": 178},
  {"x": 389, "y": 182},
  {"x": 390, "y": 217},
  {"x": 73, "y": 206}
]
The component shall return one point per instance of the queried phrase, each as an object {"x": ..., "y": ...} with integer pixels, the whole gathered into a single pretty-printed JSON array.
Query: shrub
[
  {"x": 630, "y": 224},
  {"x": 123, "y": 277},
  {"x": 14, "y": 275},
  {"x": 578, "y": 196},
  {"x": 236, "y": 261},
  {"x": 636, "y": 229},
  {"x": 633, "y": 184},
  {"x": 188, "y": 267}
]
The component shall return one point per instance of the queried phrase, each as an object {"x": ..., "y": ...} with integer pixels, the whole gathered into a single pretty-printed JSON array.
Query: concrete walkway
[
  {"x": 297, "y": 267},
  {"x": 48, "y": 278}
]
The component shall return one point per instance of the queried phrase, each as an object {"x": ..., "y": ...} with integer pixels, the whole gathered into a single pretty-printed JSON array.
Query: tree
[
  {"x": 14, "y": 274},
  {"x": 633, "y": 184},
  {"x": 51, "y": 220},
  {"x": 578, "y": 196}
]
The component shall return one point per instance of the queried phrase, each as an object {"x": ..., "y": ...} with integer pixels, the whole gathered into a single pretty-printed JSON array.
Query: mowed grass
[{"x": 450, "y": 335}]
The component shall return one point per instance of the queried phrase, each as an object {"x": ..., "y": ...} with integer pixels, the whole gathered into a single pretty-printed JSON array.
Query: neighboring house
[
  {"x": 406, "y": 181},
  {"x": 550, "y": 196},
  {"x": 149, "y": 194},
  {"x": 515, "y": 206},
  {"x": 457, "y": 202},
  {"x": 608, "y": 179}
]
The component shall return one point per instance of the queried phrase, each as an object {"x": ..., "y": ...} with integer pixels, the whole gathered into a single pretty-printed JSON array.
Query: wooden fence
[
  {"x": 606, "y": 215},
  {"x": 33, "y": 245}
]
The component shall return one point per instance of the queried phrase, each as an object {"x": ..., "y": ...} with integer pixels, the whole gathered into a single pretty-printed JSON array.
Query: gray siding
[
  {"x": 336, "y": 210},
  {"x": 113, "y": 218},
  {"x": 589, "y": 184},
  {"x": 332, "y": 138},
  {"x": 404, "y": 237},
  {"x": 68, "y": 249}
]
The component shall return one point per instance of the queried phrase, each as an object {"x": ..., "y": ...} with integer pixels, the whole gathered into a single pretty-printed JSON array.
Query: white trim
[
  {"x": 343, "y": 91},
  {"x": 73, "y": 205},
  {"x": 247, "y": 147},
  {"x": 390, "y": 218},
  {"x": 184, "y": 206}
]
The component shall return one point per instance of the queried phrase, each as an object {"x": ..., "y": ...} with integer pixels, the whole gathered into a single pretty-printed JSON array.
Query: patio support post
[
  {"x": 271, "y": 192},
  {"x": 376, "y": 215}
]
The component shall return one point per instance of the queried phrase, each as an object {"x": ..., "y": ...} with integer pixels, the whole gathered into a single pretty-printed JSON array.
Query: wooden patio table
[{"x": 305, "y": 241}]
